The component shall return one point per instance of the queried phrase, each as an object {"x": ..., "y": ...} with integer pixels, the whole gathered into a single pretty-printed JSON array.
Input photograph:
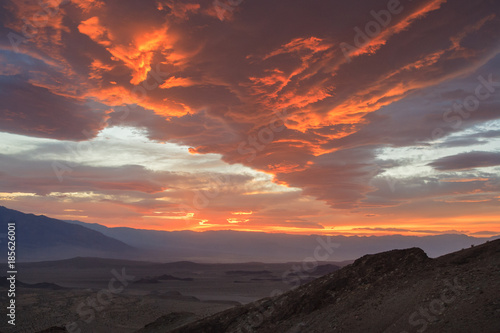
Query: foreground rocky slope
[{"x": 396, "y": 291}]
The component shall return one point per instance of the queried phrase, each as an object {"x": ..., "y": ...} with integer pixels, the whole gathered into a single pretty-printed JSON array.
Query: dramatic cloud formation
[{"x": 332, "y": 117}]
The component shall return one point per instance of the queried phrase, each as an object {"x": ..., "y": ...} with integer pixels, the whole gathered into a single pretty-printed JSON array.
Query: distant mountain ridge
[
  {"x": 44, "y": 238},
  {"x": 237, "y": 246},
  {"x": 39, "y": 237}
]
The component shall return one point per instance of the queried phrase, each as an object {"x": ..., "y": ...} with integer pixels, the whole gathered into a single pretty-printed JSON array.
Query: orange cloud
[
  {"x": 97, "y": 69},
  {"x": 380, "y": 40},
  {"x": 233, "y": 220},
  {"x": 95, "y": 31},
  {"x": 121, "y": 96},
  {"x": 177, "y": 82},
  {"x": 137, "y": 53},
  {"x": 311, "y": 44}
]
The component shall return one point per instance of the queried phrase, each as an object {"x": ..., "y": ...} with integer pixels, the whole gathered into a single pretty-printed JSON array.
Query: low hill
[{"x": 399, "y": 291}]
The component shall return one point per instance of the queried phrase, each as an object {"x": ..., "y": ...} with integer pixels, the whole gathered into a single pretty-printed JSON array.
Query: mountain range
[
  {"x": 39, "y": 238},
  {"x": 43, "y": 238}
]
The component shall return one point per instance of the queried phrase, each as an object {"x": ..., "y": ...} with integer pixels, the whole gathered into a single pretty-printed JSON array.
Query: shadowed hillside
[
  {"x": 399, "y": 291},
  {"x": 41, "y": 238}
]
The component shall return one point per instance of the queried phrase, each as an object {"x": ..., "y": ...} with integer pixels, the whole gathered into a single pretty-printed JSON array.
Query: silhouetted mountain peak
[{"x": 43, "y": 238}]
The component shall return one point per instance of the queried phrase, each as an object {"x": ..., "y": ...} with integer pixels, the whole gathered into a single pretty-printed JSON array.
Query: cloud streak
[{"x": 470, "y": 160}]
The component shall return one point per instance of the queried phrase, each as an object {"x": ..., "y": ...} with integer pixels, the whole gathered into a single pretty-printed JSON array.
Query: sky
[{"x": 309, "y": 117}]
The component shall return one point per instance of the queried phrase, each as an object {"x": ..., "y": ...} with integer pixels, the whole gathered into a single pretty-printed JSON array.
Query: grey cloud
[
  {"x": 35, "y": 111},
  {"x": 470, "y": 160}
]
